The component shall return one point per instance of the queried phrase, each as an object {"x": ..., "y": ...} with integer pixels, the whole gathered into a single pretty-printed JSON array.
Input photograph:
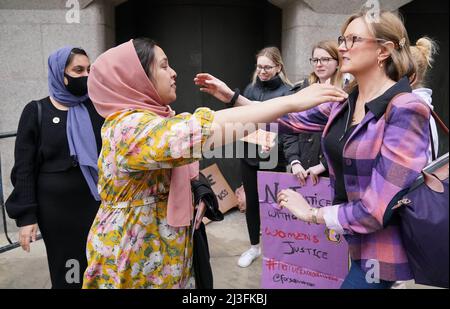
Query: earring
[{"x": 380, "y": 63}]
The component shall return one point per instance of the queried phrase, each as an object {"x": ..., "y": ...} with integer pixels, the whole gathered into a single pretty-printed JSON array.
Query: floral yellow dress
[{"x": 130, "y": 244}]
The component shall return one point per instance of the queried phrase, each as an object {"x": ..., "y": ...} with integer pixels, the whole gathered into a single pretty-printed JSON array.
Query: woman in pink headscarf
[{"x": 141, "y": 235}]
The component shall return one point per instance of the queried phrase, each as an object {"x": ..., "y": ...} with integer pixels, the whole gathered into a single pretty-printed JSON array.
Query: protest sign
[
  {"x": 261, "y": 137},
  {"x": 225, "y": 195},
  {"x": 297, "y": 254}
]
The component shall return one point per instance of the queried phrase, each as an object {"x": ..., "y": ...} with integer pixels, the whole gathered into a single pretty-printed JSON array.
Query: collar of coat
[
  {"x": 271, "y": 84},
  {"x": 378, "y": 105}
]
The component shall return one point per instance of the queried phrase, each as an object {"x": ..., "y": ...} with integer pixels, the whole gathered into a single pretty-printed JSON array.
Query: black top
[
  {"x": 334, "y": 143},
  {"x": 341, "y": 129},
  {"x": 263, "y": 91},
  {"x": 266, "y": 90},
  {"x": 304, "y": 147},
  {"x": 52, "y": 154}
]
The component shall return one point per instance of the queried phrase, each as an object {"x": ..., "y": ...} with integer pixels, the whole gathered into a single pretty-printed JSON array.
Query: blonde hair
[
  {"x": 274, "y": 54},
  {"x": 423, "y": 53},
  {"x": 330, "y": 47},
  {"x": 389, "y": 27}
]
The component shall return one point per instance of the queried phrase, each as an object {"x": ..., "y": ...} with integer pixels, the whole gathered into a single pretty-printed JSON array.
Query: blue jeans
[{"x": 356, "y": 279}]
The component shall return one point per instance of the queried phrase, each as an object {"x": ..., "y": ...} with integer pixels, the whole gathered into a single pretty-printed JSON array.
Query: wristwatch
[
  {"x": 315, "y": 213},
  {"x": 236, "y": 94}
]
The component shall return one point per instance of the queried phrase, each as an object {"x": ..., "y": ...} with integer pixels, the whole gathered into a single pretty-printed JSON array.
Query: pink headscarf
[{"x": 116, "y": 82}]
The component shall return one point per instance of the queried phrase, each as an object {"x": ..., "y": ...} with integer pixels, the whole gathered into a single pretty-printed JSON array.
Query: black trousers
[{"x": 249, "y": 180}]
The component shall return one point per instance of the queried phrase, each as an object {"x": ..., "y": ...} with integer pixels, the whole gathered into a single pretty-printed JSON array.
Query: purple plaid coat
[{"x": 380, "y": 159}]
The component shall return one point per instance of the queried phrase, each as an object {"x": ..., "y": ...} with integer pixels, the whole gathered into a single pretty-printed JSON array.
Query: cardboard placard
[
  {"x": 261, "y": 137},
  {"x": 225, "y": 195},
  {"x": 297, "y": 254}
]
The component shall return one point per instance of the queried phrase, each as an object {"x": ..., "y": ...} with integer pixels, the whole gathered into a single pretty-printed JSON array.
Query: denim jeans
[{"x": 356, "y": 279}]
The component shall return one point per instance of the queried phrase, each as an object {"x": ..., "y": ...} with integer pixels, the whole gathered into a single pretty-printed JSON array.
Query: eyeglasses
[
  {"x": 265, "y": 67},
  {"x": 323, "y": 60},
  {"x": 350, "y": 40}
]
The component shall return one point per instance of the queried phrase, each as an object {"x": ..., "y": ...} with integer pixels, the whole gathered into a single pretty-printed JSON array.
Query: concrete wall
[
  {"x": 29, "y": 31},
  {"x": 302, "y": 28},
  {"x": 306, "y": 22}
]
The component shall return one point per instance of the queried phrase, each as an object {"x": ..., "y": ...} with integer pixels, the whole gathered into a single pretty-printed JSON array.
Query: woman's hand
[
  {"x": 214, "y": 87},
  {"x": 299, "y": 172},
  {"x": 201, "y": 209},
  {"x": 265, "y": 149},
  {"x": 317, "y": 94},
  {"x": 27, "y": 233},
  {"x": 315, "y": 171},
  {"x": 296, "y": 204}
]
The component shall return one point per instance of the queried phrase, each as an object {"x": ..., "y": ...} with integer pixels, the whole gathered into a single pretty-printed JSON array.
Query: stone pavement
[{"x": 227, "y": 240}]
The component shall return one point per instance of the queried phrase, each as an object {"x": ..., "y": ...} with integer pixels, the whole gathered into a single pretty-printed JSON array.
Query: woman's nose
[
  {"x": 342, "y": 48},
  {"x": 174, "y": 74}
]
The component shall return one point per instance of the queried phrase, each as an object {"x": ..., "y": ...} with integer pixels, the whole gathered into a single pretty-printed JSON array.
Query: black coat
[
  {"x": 263, "y": 91},
  {"x": 40, "y": 150},
  {"x": 304, "y": 147},
  {"x": 202, "y": 267}
]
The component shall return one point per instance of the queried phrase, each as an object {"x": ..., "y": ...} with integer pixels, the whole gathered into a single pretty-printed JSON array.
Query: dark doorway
[
  {"x": 219, "y": 37},
  {"x": 430, "y": 18}
]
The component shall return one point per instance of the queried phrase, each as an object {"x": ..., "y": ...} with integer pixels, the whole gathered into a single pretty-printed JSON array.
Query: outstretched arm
[
  {"x": 218, "y": 89},
  {"x": 263, "y": 112}
]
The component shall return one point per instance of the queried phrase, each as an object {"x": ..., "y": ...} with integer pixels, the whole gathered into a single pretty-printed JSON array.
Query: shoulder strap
[
  {"x": 433, "y": 113},
  {"x": 433, "y": 150},
  {"x": 439, "y": 121},
  {"x": 39, "y": 121},
  {"x": 39, "y": 113},
  {"x": 39, "y": 128}
]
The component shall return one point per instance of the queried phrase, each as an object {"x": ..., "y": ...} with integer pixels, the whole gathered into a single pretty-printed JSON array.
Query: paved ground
[{"x": 227, "y": 240}]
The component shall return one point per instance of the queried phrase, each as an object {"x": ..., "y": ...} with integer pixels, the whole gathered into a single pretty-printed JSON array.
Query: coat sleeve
[
  {"x": 22, "y": 204},
  {"x": 311, "y": 120},
  {"x": 323, "y": 160},
  {"x": 291, "y": 147},
  {"x": 145, "y": 141},
  {"x": 247, "y": 92},
  {"x": 402, "y": 157}
]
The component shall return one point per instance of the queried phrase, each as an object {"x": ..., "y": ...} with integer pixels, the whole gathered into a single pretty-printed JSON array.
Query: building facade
[{"x": 218, "y": 36}]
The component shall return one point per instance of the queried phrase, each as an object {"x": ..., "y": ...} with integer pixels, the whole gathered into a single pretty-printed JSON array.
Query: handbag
[{"x": 423, "y": 216}]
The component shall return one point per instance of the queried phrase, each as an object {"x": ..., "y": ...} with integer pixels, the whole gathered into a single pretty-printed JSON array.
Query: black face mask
[{"x": 76, "y": 85}]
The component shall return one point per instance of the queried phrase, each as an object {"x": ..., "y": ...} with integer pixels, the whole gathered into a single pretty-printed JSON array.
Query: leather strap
[
  {"x": 433, "y": 114},
  {"x": 432, "y": 180}
]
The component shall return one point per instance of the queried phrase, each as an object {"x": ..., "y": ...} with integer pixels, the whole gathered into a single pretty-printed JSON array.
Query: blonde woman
[
  {"x": 303, "y": 151},
  {"x": 371, "y": 157},
  {"x": 269, "y": 81}
]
